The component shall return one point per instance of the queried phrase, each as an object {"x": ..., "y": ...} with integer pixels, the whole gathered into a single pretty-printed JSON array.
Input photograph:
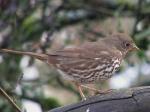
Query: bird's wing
[
  {"x": 84, "y": 56},
  {"x": 82, "y": 62}
]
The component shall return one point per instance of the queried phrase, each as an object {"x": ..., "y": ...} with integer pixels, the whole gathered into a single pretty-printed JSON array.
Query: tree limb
[
  {"x": 3, "y": 93},
  {"x": 130, "y": 100}
]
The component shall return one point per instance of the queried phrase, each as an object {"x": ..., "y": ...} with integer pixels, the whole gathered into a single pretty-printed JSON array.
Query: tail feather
[{"x": 41, "y": 57}]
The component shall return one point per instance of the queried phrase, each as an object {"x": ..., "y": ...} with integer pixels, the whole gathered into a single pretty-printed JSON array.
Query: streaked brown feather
[{"x": 80, "y": 62}]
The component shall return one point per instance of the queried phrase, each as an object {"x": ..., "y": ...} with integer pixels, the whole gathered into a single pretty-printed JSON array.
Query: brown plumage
[{"x": 90, "y": 62}]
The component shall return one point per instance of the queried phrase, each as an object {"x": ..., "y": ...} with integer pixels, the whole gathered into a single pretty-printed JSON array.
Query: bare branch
[{"x": 10, "y": 100}]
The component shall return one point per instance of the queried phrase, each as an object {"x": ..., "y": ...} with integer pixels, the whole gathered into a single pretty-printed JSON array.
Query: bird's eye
[{"x": 127, "y": 44}]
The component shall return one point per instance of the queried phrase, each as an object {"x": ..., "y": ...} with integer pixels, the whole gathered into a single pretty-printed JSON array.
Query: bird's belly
[
  {"x": 86, "y": 79},
  {"x": 92, "y": 75},
  {"x": 76, "y": 78}
]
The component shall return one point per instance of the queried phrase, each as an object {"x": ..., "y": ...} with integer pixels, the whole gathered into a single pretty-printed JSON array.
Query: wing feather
[{"x": 77, "y": 59}]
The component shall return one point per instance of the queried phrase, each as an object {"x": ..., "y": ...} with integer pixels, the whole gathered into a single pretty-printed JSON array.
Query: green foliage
[
  {"x": 141, "y": 54},
  {"x": 49, "y": 103},
  {"x": 5, "y": 106}
]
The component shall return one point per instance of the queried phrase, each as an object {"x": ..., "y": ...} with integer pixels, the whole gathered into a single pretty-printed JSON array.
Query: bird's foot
[
  {"x": 80, "y": 91},
  {"x": 104, "y": 91},
  {"x": 97, "y": 91},
  {"x": 83, "y": 98}
]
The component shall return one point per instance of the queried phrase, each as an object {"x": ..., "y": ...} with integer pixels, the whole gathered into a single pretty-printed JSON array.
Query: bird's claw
[{"x": 105, "y": 91}]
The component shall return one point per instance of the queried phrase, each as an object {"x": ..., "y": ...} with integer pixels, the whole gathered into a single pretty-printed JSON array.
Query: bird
[{"x": 88, "y": 63}]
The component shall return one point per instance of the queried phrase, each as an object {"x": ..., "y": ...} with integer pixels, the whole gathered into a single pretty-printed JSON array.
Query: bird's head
[{"x": 124, "y": 43}]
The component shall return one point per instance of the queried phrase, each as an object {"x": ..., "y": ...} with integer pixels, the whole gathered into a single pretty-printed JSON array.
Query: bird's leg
[
  {"x": 96, "y": 90},
  {"x": 80, "y": 91}
]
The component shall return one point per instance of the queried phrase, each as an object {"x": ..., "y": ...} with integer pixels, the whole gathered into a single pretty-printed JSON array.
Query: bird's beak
[{"x": 135, "y": 48}]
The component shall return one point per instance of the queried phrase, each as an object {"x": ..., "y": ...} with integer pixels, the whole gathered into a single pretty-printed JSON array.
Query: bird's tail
[{"x": 41, "y": 57}]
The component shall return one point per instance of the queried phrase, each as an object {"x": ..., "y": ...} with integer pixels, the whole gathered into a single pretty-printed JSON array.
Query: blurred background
[{"x": 44, "y": 25}]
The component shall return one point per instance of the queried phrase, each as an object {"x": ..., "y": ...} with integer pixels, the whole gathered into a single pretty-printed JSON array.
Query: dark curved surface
[{"x": 131, "y": 100}]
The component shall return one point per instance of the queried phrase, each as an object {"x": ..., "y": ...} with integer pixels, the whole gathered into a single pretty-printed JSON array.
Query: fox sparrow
[{"x": 90, "y": 62}]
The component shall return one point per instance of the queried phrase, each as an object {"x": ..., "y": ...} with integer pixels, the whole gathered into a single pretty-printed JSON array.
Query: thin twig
[{"x": 10, "y": 100}]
